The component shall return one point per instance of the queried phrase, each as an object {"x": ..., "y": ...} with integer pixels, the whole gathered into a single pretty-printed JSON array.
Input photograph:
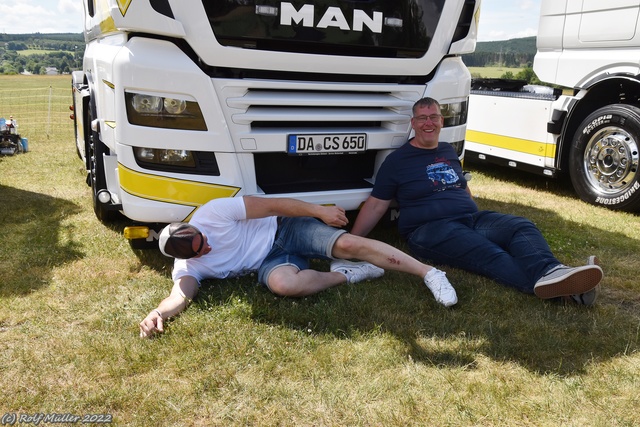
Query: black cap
[{"x": 176, "y": 240}]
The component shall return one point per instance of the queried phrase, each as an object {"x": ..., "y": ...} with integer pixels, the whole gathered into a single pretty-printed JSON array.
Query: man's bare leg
[
  {"x": 378, "y": 253},
  {"x": 288, "y": 281}
]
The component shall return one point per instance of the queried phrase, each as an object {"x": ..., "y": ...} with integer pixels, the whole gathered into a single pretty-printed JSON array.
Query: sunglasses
[{"x": 197, "y": 252}]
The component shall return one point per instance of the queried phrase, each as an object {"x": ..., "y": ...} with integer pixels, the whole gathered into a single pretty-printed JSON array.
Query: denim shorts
[{"x": 297, "y": 241}]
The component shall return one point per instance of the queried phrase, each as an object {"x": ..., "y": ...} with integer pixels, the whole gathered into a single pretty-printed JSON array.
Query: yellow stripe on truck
[
  {"x": 171, "y": 190},
  {"x": 516, "y": 144}
]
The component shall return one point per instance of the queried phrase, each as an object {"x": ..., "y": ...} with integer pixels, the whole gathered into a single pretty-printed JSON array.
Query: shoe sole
[
  {"x": 580, "y": 298},
  {"x": 572, "y": 283}
]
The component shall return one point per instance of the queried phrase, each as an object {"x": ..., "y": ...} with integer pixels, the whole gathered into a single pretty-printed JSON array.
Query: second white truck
[{"x": 588, "y": 125}]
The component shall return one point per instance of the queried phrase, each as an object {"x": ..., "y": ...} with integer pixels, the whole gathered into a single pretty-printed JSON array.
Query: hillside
[
  {"x": 525, "y": 45},
  {"x": 67, "y": 49},
  {"x": 507, "y": 53},
  {"x": 39, "y": 53}
]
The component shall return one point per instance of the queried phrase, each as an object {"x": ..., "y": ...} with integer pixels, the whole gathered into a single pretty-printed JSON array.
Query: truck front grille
[{"x": 266, "y": 112}]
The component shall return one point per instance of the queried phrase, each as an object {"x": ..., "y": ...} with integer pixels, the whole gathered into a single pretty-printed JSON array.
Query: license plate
[{"x": 318, "y": 144}]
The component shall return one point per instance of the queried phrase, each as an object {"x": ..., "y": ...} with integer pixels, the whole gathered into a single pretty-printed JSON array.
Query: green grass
[
  {"x": 492, "y": 72},
  {"x": 381, "y": 353},
  {"x": 35, "y": 82},
  {"x": 29, "y": 52},
  {"x": 40, "y": 104}
]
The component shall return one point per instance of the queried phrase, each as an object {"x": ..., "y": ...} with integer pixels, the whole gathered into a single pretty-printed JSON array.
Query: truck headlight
[
  {"x": 454, "y": 114},
  {"x": 174, "y": 106},
  {"x": 163, "y": 112},
  {"x": 163, "y": 157},
  {"x": 177, "y": 160},
  {"x": 146, "y": 104}
]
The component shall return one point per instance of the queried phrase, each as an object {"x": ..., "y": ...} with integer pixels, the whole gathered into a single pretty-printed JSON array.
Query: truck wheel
[
  {"x": 96, "y": 178},
  {"x": 604, "y": 158},
  {"x": 75, "y": 128}
]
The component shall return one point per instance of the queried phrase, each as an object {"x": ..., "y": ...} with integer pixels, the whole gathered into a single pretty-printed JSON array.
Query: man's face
[
  {"x": 427, "y": 122},
  {"x": 200, "y": 245}
]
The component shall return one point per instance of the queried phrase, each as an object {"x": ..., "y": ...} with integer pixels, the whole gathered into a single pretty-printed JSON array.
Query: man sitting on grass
[
  {"x": 276, "y": 237},
  {"x": 442, "y": 223}
]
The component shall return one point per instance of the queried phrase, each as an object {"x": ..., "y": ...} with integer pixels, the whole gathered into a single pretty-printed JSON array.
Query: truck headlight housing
[
  {"x": 163, "y": 112},
  {"x": 454, "y": 114},
  {"x": 183, "y": 158},
  {"x": 177, "y": 160}
]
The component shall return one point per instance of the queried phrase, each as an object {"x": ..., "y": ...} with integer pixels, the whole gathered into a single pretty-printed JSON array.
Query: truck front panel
[{"x": 287, "y": 103}]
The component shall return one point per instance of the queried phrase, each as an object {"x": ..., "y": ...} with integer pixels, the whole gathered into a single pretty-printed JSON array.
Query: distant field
[
  {"x": 60, "y": 81},
  {"x": 40, "y": 104},
  {"x": 492, "y": 72},
  {"x": 29, "y": 52}
]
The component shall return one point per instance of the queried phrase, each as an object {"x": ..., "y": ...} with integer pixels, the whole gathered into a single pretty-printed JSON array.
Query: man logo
[{"x": 333, "y": 17}]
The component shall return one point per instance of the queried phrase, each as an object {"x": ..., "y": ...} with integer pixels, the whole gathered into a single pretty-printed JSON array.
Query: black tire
[
  {"x": 75, "y": 77},
  {"x": 143, "y": 244},
  {"x": 96, "y": 178},
  {"x": 18, "y": 142},
  {"x": 75, "y": 128},
  {"x": 603, "y": 162}
]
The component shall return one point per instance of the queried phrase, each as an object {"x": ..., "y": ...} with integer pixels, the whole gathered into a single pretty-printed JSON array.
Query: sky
[
  {"x": 41, "y": 16},
  {"x": 508, "y": 19},
  {"x": 499, "y": 19}
]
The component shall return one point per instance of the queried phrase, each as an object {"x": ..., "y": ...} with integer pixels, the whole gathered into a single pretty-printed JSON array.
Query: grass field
[
  {"x": 35, "y": 82},
  {"x": 40, "y": 104},
  {"x": 492, "y": 72},
  {"x": 29, "y": 52},
  {"x": 381, "y": 353}
]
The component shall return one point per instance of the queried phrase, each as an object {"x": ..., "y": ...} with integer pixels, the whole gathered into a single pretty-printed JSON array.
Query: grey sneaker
[
  {"x": 356, "y": 271},
  {"x": 562, "y": 281},
  {"x": 589, "y": 297},
  {"x": 437, "y": 282}
]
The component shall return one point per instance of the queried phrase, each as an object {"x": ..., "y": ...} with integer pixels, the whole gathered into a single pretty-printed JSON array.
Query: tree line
[
  {"x": 63, "y": 52},
  {"x": 512, "y": 53},
  {"x": 498, "y": 59}
]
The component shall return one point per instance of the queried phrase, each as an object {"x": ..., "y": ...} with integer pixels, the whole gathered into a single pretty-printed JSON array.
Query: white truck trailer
[
  {"x": 183, "y": 101},
  {"x": 589, "y": 124}
]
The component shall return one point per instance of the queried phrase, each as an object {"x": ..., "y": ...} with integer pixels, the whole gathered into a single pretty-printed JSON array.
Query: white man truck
[
  {"x": 183, "y": 101},
  {"x": 591, "y": 50}
]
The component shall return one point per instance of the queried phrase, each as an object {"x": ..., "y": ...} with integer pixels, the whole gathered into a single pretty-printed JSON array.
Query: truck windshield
[{"x": 371, "y": 28}]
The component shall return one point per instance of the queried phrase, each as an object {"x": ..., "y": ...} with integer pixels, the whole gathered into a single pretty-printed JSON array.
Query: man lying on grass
[{"x": 277, "y": 237}]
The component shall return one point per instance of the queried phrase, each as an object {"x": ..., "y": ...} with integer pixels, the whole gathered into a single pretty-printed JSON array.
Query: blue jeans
[
  {"x": 297, "y": 241},
  {"x": 506, "y": 248}
]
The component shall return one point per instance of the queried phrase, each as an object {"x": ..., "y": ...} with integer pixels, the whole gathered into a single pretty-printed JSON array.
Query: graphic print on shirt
[{"x": 442, "y": 175}]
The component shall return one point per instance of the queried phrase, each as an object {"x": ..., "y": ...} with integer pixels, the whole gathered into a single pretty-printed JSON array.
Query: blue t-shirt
[{"x": 427, "y": 184}]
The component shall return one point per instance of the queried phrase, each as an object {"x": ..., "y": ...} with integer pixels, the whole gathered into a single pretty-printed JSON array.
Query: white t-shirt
[{"x": 238, "y": 245}]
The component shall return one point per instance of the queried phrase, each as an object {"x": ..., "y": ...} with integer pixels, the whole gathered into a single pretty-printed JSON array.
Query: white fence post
[{"x": 48, "y": 132}]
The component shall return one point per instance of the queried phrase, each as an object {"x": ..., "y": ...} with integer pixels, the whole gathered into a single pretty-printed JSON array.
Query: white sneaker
[
  {"x": 356, "y": 271},
  {"x": 437, "y": 282}
]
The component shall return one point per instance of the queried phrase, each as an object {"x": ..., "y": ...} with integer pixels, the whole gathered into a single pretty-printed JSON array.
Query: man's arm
[
  {"x": 261, "y": 207},
  {"x": 183, "y": 291},
  {"x": 369, "y": 215}
]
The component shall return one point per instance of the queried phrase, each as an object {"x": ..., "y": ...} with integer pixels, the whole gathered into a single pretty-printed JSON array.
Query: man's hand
[
  {"x": 151, "y": 324},
  {"x": 334, "y": 216},
  {"x": 183, "y": 291}
]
